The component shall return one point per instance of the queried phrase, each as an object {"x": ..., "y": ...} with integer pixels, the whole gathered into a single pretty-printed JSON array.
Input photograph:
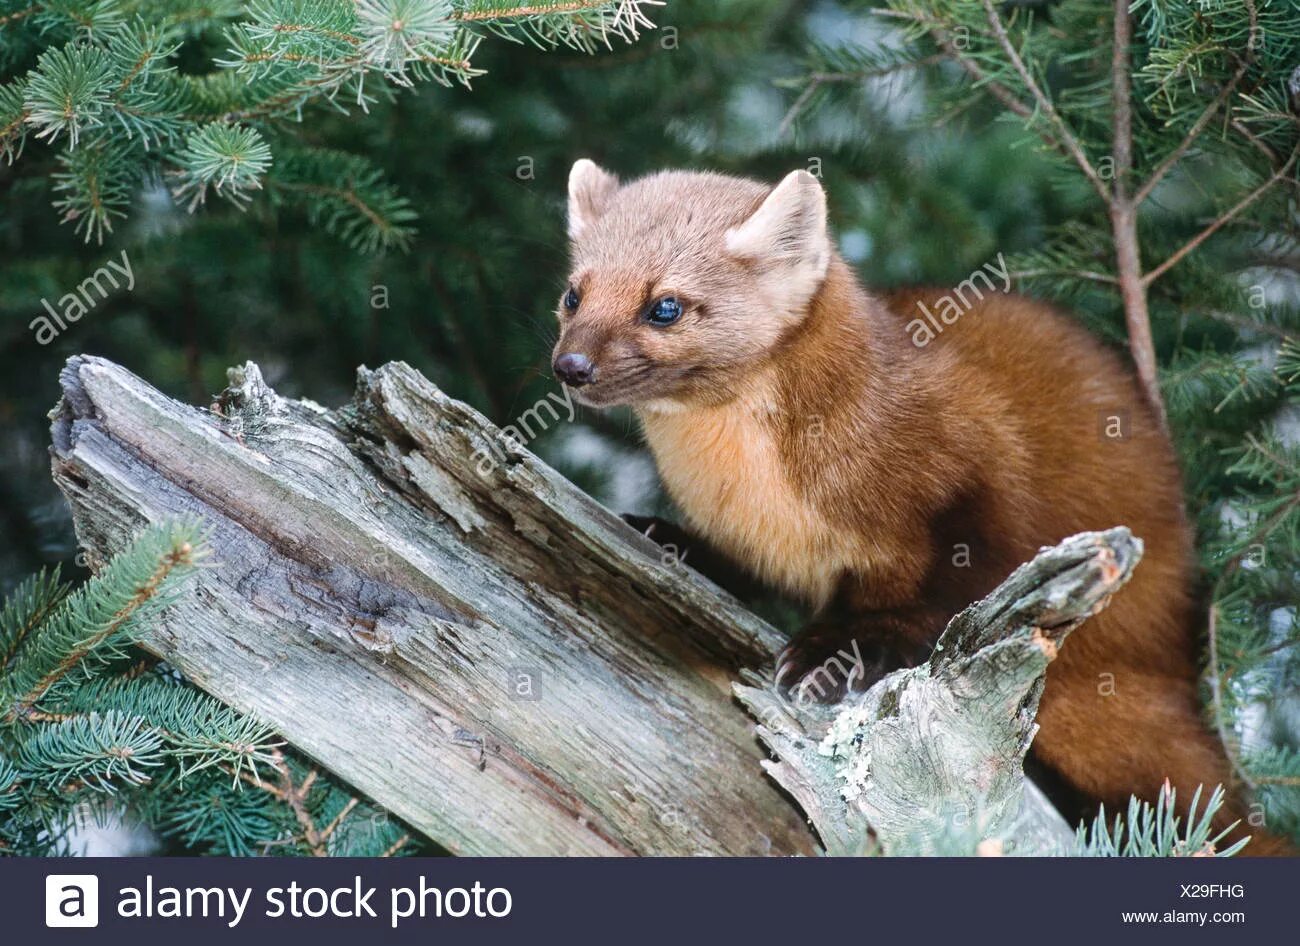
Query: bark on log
[
  {"x": 381, "y": 594},
  {"x": 390, "y": 578},
  {"x": 933, "y": 755}
]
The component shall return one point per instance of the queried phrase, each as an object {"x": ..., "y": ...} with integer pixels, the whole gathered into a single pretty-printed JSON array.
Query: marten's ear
[
  {"x": 590, "y": 188},
  {"x": 789, "y": 228}
]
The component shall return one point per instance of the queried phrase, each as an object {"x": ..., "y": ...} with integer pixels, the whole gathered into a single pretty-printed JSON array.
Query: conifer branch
[
  {"x": 1063, "y": 134},
  {"x": 1207, "y": 116},
  {"x": 815, "y": 80},
  {"x": 13, "y": 129},
  {"x": 27, "y": 608},
  {"x": 1270, "y": 523},
  {"x": 999, "y": 91},
  {"x": 1224, "y": 218},
  {"x": 1067, "y": 145},
  {"x": 256, "y": 781},
  {"x": 178, "y": 559},
  {"x": 1273, "y": 158},
  {"x": 346, "y": 195}
]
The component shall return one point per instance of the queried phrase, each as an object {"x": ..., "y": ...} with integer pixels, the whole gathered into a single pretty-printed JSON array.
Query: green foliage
[
  {"x": 27, "y": 607},
  {"x": 1158, "y": 831},
  {"x": 1144, "y": 830},
  {"x": 92, "y": 727},
  {"x": 329, "y": 185},
  {"x": 228, "y": 158},
  {"x": 89, "y": 626},
  {"x": 99, "y": 80}
]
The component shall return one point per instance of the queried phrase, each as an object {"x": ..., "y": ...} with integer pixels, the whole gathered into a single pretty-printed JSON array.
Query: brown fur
[{"x": 809, "y": 440}]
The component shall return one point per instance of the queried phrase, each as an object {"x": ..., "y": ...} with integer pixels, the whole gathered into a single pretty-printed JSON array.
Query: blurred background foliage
[{"x": 470, "y": 301}]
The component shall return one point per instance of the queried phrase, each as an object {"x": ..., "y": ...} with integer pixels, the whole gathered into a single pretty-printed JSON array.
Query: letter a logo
[{"x": 71, "y": 900}]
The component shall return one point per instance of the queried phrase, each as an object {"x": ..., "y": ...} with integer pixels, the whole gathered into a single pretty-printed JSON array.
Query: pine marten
[{"x": 887, "y": 473}]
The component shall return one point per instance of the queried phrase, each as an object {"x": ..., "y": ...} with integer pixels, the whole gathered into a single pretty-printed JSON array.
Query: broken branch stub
[{"x": 937, "y": 751}]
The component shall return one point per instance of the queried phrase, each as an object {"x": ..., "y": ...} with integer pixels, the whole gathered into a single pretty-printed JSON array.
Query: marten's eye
[
  {"x": 665, "y": 311},
  {"x": 571, "y": 299}
]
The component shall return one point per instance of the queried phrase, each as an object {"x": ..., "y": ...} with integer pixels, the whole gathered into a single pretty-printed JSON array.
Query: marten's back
[{"x": 1093, "y": 454}]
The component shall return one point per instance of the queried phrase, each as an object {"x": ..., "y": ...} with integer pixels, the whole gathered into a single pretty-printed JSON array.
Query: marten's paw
[
  {"x": 842, "y": 651},
  {"x": 820, "y": 665}
]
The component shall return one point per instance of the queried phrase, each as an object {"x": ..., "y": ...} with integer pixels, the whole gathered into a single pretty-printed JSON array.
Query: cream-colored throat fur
[{"x": 723, "y": 467}]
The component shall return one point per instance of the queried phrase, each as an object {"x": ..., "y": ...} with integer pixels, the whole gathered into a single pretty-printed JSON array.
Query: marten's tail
[
  {"x": 1108, "y": 745},
  {"x": 1262, "y": 842}
]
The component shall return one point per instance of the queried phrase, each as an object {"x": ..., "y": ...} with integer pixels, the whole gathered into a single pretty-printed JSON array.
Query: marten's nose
[{"x": 574, "y": 369}]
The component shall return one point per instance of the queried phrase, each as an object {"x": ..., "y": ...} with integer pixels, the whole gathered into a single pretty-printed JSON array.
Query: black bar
[{"x": 671, "y": 901}]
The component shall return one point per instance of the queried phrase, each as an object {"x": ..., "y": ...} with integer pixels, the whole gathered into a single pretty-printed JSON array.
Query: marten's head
[{"x": 683, "y": 283}]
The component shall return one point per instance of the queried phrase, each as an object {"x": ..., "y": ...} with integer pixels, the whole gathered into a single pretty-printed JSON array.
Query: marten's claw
[
  {"x": 653, "y": 528},
  {"x": 643, "y": 524}
]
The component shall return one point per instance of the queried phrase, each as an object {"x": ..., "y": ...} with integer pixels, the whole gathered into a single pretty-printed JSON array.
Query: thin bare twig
[
  {"x": 1123, "y": 219},
  {"x": 1088, "y": 274},
  {"x": 940, "y": 35},
  {"x": 1240, "y": 128},
  {"x": 338, "y": 819},
  {"x": 19, "y": 15},
  {"x": 817, "y": 79},
  {"x": 1226, "y": 217},
  {"x": 295, "y": 796},
  {"x": 1268, "y": 328},
  {"x": 397, "y": 846}
]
